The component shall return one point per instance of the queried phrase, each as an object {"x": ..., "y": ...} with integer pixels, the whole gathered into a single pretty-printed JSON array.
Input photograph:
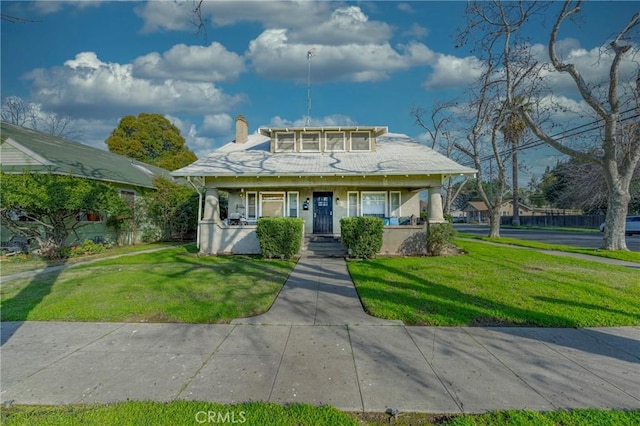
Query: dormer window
[
  {"x": 360, "y": 141},
  {"x": 323, "y": 139},
  {"x": 310, "y": 141},
  {"x": 334, "y": 141},
  {"x": 285, "y": 141}
]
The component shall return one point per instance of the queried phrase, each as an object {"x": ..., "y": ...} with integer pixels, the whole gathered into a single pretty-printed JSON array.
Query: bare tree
[
  {"x": 16, "y": 111},
  {"x": 506, "y": 81},
  {"x": 443, "y": 141},
  {"x": 608, "y": 105}
]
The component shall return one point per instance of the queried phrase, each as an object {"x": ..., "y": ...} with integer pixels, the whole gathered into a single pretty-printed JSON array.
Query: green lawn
[
  {"x": 628, "y": 256},
  {"x": 172, "y": 285},
  {"x": 495, "y": 285},
  {"x": 21, "y": 263},
  {"x": 260, "y": 413}
]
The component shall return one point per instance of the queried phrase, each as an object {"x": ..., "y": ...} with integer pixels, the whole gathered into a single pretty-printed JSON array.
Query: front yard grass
[
  {"x": 10, "y": 265},
  {"x": 172, "y": 285},
  {"x": 264, "y": 413},
  {"x": 627, "y": 256},
  {"x": 498, "y": 286}
]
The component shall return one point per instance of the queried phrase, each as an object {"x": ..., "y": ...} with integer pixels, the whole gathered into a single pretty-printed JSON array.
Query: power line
[{"x": 559, "y": 136}]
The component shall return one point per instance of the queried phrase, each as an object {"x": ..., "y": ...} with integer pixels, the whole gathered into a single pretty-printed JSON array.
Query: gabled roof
[
  {"x": 23, "y": 149},
  {"x": 395, "y": 154}
]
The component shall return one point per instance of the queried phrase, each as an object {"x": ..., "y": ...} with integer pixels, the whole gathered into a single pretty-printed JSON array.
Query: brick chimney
[{"x": 242, "y": 129}]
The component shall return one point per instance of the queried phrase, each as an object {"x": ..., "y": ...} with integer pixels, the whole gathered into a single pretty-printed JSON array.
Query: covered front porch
[{"x": 321, "y": 208}]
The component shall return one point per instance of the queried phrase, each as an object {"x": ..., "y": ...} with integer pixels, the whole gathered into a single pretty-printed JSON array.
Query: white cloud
[
  {"x": 273, "y": 55},
  {"x": 194, "y": 63},
  {"x": 178, "y": 15},
  {"x": 194, "y": 140},
  {"x": 87, "y": 87},
  {"x": 593, "y": 64},
  {"x": 329, "y": 120},
  {"x": 50, "y": 7},
  {"x": 217, "y": 124},
  {"x": 345, "y": 25},
  {"x": 406, "y": 7},
  {"x": 453, "y": 72},
  {"x": 167, "y": 15},
  {"x": 416, "y": 30}
]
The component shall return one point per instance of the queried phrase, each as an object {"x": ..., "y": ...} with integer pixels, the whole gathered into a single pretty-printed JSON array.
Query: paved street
[{"x": 575, "y": 239}]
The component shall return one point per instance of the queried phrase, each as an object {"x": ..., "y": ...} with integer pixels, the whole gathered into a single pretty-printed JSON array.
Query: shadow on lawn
[
  {"x": 28, "y": 298},
  {"x": 472, "y": 311}
]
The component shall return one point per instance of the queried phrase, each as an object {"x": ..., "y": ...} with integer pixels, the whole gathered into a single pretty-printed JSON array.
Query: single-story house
[
  {"x": 320, "y": 174},
  {"x": 26, "y": 150},
  {"x": 477, "y": 211}
]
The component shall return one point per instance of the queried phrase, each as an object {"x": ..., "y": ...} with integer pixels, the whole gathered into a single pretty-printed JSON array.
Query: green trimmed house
[
  {"x": 319, "y": 174},
  {"x": 23, "y": 149}
]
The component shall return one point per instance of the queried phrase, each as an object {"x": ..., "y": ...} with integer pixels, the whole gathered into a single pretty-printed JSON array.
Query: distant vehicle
[
  {"x": 458, "y": 219},
  {"x": 632, "y": 225}
]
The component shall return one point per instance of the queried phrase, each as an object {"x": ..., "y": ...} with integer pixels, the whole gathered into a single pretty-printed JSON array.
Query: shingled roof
[
  {"x": 24, "y": 149},
  {"x": 395, "y": 154}
]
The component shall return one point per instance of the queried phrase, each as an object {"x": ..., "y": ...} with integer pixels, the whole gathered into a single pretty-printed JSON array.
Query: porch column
[
  {"x": 434, "y": 208},
  {"x": 212, "y": 206}
]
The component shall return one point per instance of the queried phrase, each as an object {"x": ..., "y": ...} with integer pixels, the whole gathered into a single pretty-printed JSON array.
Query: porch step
[{"x": 322, "y": 246}]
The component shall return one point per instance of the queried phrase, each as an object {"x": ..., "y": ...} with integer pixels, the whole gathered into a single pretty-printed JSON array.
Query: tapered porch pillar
[
  {"x": 212, "y": 206},
  {"x": 434, "y": 208}
]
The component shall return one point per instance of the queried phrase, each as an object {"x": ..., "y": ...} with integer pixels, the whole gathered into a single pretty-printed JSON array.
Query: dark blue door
[{"x": 323, "y": 212}]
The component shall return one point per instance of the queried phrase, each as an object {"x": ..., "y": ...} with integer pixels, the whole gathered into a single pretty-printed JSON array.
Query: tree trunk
[
  {"x": 617, "y": 208},
  {"x": 494, "y": 223},
  {"x": 515, "y": 221}
]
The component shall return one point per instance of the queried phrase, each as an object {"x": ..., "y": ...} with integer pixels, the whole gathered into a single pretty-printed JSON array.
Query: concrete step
[{"x": 322, "y": 246}]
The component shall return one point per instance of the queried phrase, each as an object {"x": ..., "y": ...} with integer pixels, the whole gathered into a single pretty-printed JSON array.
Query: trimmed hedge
[
  {"x": 280, "y": 236},
  {"x": 361, "y": 236}
]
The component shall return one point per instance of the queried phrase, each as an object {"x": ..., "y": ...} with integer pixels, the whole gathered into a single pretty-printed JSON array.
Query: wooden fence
[{"x": 562, "y": 221}]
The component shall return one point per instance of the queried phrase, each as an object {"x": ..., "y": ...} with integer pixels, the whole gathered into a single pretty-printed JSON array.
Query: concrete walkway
[{"x": 317, "y": 345}]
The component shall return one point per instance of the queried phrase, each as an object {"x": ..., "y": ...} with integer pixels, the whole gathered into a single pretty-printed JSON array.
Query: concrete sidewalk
[{"x": 316, "y": 345}]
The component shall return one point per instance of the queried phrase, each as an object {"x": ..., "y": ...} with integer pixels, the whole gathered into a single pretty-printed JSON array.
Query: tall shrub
[
  {"x": 280, "y": 236},
  {"x": 439, "y": 238},
  {"x": 361, "y": 236}
]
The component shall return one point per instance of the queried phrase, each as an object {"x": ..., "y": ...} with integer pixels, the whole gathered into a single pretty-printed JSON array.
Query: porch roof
[{"x": 396, "y": 154}]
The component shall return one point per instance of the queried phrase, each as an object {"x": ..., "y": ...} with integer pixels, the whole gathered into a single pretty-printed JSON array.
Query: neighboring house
[
  {"x": 25, "y": 150},
  {"x": 477, "y": 211},
  {"x": 320, "y": 174}
]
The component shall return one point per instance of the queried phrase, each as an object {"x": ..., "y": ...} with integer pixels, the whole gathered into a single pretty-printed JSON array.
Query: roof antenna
[{"x": 311, "y": 52}]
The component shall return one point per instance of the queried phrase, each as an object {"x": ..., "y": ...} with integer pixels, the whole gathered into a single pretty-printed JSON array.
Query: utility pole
[{"x": 311, "y": 52}]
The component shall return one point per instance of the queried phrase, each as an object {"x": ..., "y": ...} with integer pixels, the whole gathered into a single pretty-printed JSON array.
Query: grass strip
[
  {"x": 627, "y": 256},
  {"x": 498, "y": 286},
  {"x": 263, "y": 413}
]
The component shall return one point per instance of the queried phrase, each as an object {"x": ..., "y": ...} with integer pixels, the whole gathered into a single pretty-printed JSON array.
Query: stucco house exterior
[
  {"x": 26, "y": 150},
  {"x": 320, "y": 174}
]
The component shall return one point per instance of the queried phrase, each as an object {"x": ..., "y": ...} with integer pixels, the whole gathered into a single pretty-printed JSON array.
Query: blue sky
[{"x": 98, "y": 61}]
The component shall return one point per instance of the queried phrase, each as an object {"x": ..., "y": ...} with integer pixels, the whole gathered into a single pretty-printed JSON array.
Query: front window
[
  {"x": 352, "y": 206},
  {"x": 374, "y": 204},
  {"x": 272, "y": 204},
  {"x": 252, "y": 206},
  {"x": 293, "y": 204},
  {"x": 394, "y": 203}
]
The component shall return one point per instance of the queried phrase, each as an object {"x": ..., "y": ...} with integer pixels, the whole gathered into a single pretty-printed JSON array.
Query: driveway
[{"x": 574, "y": 239}]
